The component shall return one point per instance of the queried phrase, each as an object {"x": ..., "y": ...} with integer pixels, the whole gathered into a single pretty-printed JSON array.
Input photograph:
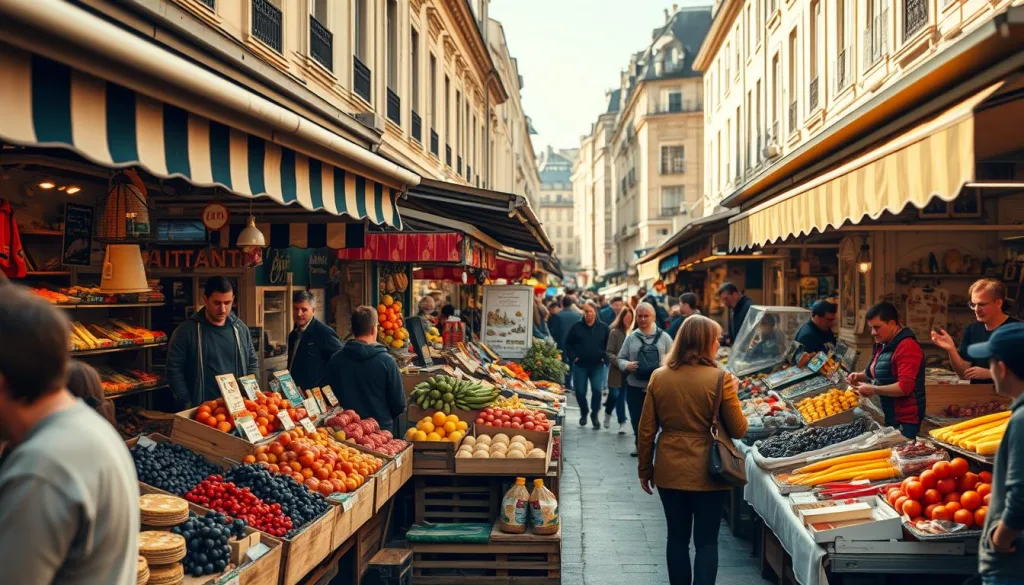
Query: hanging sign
[
  {"x": 508, "y": 320},
  {"x": 215, "y": 216},
  {"x": 192, "y": 259},
  {"x": 77, "y": 245}
]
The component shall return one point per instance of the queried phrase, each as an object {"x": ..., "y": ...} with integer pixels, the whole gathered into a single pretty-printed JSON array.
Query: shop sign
[
  {"x": 508, "y": 320},
  {"x": 280, "y": 262},
  {"x": 320, "y": 262},
  {"x": 215, "y": 216},
  {"x": 161, "y": 258}
]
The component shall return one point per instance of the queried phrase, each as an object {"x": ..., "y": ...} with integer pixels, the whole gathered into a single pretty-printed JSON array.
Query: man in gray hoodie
[{"x": 211, "y": 343}]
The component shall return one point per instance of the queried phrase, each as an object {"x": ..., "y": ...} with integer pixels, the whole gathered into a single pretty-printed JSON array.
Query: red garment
[
  {"x": 906, "y": 363},
  {"x": 12, "y": 255}
]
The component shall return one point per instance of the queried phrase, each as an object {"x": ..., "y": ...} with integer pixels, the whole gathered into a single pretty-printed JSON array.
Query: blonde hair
[
  {"x": 989, "y": 285},
  {"x": 694, "y": 343},
  {"x": 618, "y": 322}
]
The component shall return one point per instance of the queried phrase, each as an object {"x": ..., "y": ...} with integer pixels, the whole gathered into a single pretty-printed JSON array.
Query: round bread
[
  {"x": 498, "y": 455},
  {"x": 515, "y": 454},
  {"x": 517, "y": 447},
  {"x": 536, "y": 454},
  {"x": 500, "y": 438},
  {"x": 484, "y": 439},
  {"x": 468, "y": 441},
  {"x": 464, "y": 455},
  {"x": 499, "y": 447},
  {"x": 519, "y": 439},
  {"x": 529, "y": 445},
  {"x": 482, "y": 454}
]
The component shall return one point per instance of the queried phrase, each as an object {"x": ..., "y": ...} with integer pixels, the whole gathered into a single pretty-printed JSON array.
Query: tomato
[
  {"x": 480, "y": 421},
  {"x": 490, "y": 418},
  {"x": 912, "y": 508},
  {"x": 529, "y": 425},
  {"x": 517, "y": 420},
  {"x": 958, "y": 467},
  {"x": 517, "y": 425}
]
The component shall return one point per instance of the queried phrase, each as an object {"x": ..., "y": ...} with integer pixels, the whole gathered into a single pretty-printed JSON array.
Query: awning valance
[
  {"x": 48, "y": 104},
  {"x": 648, "y": 270},
  {"x": 933, "y": 159},
  {"x": 668, "y": 264}
]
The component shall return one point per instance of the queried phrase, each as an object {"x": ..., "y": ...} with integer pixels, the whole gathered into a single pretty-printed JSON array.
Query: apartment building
[
  {"x": 656, "y": 145},
  {"x": 556, "y": 210},
  {"x": 593, "y": 185},
  {"x": 420, "y": 81}
]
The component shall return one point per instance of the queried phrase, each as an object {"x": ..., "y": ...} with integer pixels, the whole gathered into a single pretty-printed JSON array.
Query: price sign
[
  {"x": 320, "y": 400},
  {"x": 307, "y": 425},
  {"x": 289, "y": 388},
  {"x": 256, "y": 551},
  {"x": 329, "y": 394},
  {"x": 286, "y": 420},
  {"x": 249, "y": 429},
  {"x": 398, "y": 460},
  {"x": 250, "y": 386},
  {"x": 232, "y": 395},
  {"x": 233, "y": 580},
  {"x": 459, "y": 373},
  {"x": 145, "y": 442},
  {"x": 350, "y": 501},
  {"x": 311, "y": 406}
]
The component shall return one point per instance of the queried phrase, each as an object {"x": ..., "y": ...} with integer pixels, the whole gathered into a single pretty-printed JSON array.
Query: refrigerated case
[{"x": 274, "y": 315}]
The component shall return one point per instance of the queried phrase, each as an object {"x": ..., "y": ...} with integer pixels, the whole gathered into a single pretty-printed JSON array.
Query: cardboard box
[{"x": 883, "y": 524}]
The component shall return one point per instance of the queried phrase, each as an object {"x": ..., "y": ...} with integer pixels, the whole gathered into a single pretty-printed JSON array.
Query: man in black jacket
[
  {"x": 365, "y": 377},
  {"x": 311, "y": 344},
  {"x": 738, "y": 305},
  {"x": 586, "y": 348}
]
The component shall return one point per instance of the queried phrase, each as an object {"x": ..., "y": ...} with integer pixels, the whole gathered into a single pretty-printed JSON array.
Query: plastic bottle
[
  {"x": 514, "y": 508},
  {"x": 543, "y": 509}
]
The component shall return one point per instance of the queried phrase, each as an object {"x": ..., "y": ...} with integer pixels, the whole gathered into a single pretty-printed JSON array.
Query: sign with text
[
  {"x": 286, "y": 420},
  {"x": 329, "y": 394},
  {"x": 508, "y": 320},
  {"x": 319, "y": 400},
  {"x": 232, "y": 394},
  {"x": 289, "y": 388},
  {"x": 215, "y": 216},
  {"x": 250, "y": 430},
  {"x": 306, "y": 424},
  {"x": 311, "y": 406},
  {"x": 192, "y": 259},
  {"x": 250, "y": 386}
]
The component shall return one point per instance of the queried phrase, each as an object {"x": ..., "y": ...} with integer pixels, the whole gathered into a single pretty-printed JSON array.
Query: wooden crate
[
  {"x": 527, "y": 466},
  {"x": 209, "y": 441},
  {"x": 433, "y": 456},
  {"x": 353, "y": 513},
  {"x": 457, "y": 499},
  {"x": 393, "y": 477},
  {"x": 304, "y": 551},
  {"x": 390, "y": 566},
  {"x": 508, "y": 559},
  {"x": 370, "y": 540}
]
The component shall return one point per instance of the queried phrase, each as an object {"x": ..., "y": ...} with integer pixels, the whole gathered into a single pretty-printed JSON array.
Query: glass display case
[
  {"x": 765, "y": 338},
  {"x": 274, "y": 310}
]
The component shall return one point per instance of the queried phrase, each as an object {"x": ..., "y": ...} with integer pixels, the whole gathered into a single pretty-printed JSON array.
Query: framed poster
[
  {"x": 77, "y": 246},
  {"x": 508, "y": 320}
]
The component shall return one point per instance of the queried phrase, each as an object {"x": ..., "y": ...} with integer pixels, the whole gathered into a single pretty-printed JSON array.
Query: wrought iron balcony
[
  {"x": 434, "y": 142},
  {"x": 686, "y": 107},
  {"x": 417, "y": 127},
  {"x": 876, "y": 37},
  {"x": 448, "y": 155},
  {"x": 844, "y": 69},
  {"x": 812, "y": 95},
  {"x": 321, "y": 43},
  {"x": 266, "y": 23},
  {"x": 792, "y": 117},
  {"x": 361, "y": 78},
  {"x": 915, "y": 16},
  {"x": 394, "y": 107}
]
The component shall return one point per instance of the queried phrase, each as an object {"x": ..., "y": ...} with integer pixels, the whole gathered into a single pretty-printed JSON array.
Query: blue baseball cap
[{"x": 1005, "y": 344}]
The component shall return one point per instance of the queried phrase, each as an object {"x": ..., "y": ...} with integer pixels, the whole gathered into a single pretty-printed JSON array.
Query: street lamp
[{"x": 864, "y": 257}]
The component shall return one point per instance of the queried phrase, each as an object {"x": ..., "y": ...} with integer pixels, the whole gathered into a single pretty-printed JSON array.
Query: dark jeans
[
  {"x": 596, "y": 375},
  {"x": 701, "y": 513},
  {"x": 617, "y": 402},
  {"x": 635, "y": 401}
]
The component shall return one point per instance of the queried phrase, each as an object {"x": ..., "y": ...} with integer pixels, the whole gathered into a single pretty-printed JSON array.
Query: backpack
[{"x": 648, "y": 358}]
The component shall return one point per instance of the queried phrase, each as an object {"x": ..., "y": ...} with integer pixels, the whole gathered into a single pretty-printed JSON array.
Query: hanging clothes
[{"x": 12, "y": 255}]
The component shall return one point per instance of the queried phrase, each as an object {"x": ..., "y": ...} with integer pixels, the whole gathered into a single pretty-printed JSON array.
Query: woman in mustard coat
[{"x": 679, "y": 403}]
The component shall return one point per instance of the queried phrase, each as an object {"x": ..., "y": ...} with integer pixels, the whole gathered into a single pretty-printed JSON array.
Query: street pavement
[{"x": 612, "y": 531}]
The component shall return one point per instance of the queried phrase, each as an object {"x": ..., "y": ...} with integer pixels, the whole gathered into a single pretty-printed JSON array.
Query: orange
[
  {"x": 912, "y": 508},
  {"x": 983, "y": 489},
  {"x": 940, "y": 513},
  {"x": 970, "y": 500},
  {"x": 979, "y": 515},
  {"x": 985, "y": 476},
  {"x": 932, "y": 496},
  {"x": 958, "y": 467},
  {"x": 928, "y": 510},
  {"x": 928, "y": 479},
  {"x": 899, "y": 503},
  {"x": 271, "y": 458},
  {"x": 965, "y": 517},
  {"x": 224, "y": 427},
  {"x": 941, "y": 469},
  {"x": 968, "y": 481},
  {"x": 952, "y": 497},
  {"x": 439, "y": 419},
  {"x": 221, "y": 417},
  {"x": 296, "y": 466},
  {"x": 954, "y": 507},
  {"x": 203, "y": 409},
  {"x": 946, "y": 486},
  {"x": 263, "y": 430},
  {"x": 914, "y": 491},
  {"x": 249, "y": 459}
]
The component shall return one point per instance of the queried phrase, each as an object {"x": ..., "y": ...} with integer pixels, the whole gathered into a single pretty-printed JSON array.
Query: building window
[
  {"x": 814, "y": 39},
  {"x": 793, "y": 57},
  {"x": 876, "y": 33},
  {"x": 672, "y": 199},
  {"x": 915, "y": 16},
  {"x": 728, "y": 56},
  {"x": 673, "y": 160},
  {"x": 266, "y": 23},
  {"x": 675, "y": 102},
  {"x": 321, "y": 41},
  {"x": 361, "y": 74},
  {"x": 414, "y": 84},
  {"x": 746, "y": 38},
  {"x": 434, "y": 139},
  {"x": 394, "y": 109}
]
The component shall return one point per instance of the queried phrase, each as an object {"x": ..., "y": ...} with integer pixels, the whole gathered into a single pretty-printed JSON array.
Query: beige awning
[
  {"x": 934, "y": 159},
  {"x": 649, "y": 270}
]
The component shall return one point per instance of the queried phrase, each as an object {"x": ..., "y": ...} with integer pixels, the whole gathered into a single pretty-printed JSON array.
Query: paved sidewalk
[{"x": 613, "y": 532}]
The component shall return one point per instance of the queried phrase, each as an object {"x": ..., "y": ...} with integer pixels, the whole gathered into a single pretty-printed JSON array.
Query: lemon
[
  {"x": 426, "y": 426},
  {"x": 433, "y": 437}
]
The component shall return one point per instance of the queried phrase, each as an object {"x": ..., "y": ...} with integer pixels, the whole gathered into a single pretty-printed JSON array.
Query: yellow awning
[
  {"x": 933, "y": 159},
  {"x": 648, "y": 270}
]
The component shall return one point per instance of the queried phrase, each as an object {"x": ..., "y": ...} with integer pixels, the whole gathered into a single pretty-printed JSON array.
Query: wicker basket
[{"x": 125, "y": 212}]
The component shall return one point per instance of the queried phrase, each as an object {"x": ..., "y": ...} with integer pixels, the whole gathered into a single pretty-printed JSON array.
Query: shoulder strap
[{"x": 719, "y": 390}]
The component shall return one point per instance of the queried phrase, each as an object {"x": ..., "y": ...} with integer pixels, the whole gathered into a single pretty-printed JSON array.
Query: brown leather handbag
[{"x": 725, "y": 462}]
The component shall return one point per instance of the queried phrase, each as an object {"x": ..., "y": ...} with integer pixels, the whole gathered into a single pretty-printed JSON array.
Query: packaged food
[
  {"x": 913, "y": 457},
  {"x": 514, "y": 508},
  {"x": 543, "y": 509}
]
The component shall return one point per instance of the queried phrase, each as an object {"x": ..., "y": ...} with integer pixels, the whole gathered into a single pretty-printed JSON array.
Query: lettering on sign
[
  {"x": 215, "y": 216},
  {"x": 280, "y": 265},
  {"x": 193, "y": 259},
  {"x": 319, "y": 265}
]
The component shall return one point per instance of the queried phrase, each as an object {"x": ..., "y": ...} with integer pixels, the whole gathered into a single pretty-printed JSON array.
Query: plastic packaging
[
  {"x": 543, "y": 509},
  {"x": 913, "y": 457},
  {"x": 514, "y": 508}
]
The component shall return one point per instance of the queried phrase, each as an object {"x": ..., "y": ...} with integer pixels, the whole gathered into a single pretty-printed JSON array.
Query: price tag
[
  {"x": 307, "y": 425},
  {"x": 459, "y": 373},
  {"x": 145, "y": 442},
  {"x": 250, "y": 386},
  {"x": 329, "y": 394},
  {"x": 398, "y": 460},
  {"x": 319, "y": 400},
  {"x": 286, "y": 420},
  {"x": 289, "y": 388},
  {"x": 249, "y": 429},
  {"x": 232, "y": 395},
  {"x": 257, "y": 550},
  {"x": 311, "y": 406},
  {"x": 350, "y": 501}
]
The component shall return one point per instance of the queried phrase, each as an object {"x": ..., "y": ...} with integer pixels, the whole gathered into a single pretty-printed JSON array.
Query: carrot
[
  {"x": 827, "y": 463},
  {"x": 839, "y": 475},
  {"x": 988, "y": 448},
  {"x": 879, "y": 474},
  {"x": 972, "y": 423}
]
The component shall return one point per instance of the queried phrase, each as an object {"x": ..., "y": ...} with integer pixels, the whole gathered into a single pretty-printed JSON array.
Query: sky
[{"x": 570, "y": 52}]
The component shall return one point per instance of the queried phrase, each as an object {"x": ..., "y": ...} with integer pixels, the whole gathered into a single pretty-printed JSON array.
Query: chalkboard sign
[
  {"x": 77, "y": 247},
  {"x": 418, "y": 338}
]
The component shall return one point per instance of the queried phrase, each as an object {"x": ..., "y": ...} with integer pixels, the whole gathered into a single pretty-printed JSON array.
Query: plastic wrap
[{"x": 912, "y": 458}]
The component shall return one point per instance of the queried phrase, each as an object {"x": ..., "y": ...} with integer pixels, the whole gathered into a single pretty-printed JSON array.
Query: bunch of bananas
[
  {"x": 511, "y": 403},
  {"x": 446, "y": 393}
]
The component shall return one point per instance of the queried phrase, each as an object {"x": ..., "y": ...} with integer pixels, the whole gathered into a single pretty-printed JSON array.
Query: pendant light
[
  {"x": 123, "y": 270},
  {"x": 864, "y": 257},
  {"x": 251, "y": 236},
  {"x": 125, "y": 223}
]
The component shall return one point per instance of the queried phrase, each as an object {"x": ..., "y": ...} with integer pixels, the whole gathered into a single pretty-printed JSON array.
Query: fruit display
[
  {"x": 530, "y": 420},
  {"x": 499, "y": 446},
  {"x": 92, "y": 295},
  {"x": 914, "y": 457},
  {"x": 263, "y": 411},
  {"x": 973, "y": 409},
  {"x": 207, "y": 540},
  {"x": 111, "y": 333},
  {"x": 318, "y": 461},
  {"x": 751, "y": 387},
  {"x": 347, "y": 426},
  {"x": 512, "y": 370},
  {"x": 171, "y": 467},
  {"x": 227, "y": 498},
  {"x": 544, "y": 362},
  {"x": 448, "y": 393},
  {"x": 769, "y": 412},
  {"x": 392, "y": 332},
  {"x": 133, "y": 421},
  {"x": 827, "y": 404},
  {"x": 434, "y": 337},
  {"x": 393, "y": 278},
  {"x": 438, "y": 427},
  {"x": 119, "y": 381},
  {"x": 793, "y": 443},
  {"x": 870, "y": 466},
  {"x": 981, "y": 435},
  {"x": 948, "y": 491},
  {"x": 296, "y": 500}
]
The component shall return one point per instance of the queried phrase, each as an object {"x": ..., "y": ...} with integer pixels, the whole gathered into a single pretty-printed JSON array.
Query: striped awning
[
  {"x": 48, "y": 104},
  {"x": 934, "y": 159}
]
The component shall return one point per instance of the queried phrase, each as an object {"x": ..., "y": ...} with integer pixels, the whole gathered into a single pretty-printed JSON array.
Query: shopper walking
[
  {"x": 559, "y": 325},
  {"x": 212, "y": 342},
  {"x": 607, "y": 313},
  {"x": 687, "y": 306},
  {"x": 739, "y": 304},
  {"x": 68, "y": 491},
  {"x": 586, "y": 346},
  {"x": 641, "y": 354},
  {"x": 616, "y": 402},
  {"x": 365, "y": 377},
  {"x": 1001, "y": 554},
  {"x": 680, "y": 404},
  {"x": 310, "y": 344},
  {"x": 84, "y": 382},
  {"x": 988, "y": 301}
]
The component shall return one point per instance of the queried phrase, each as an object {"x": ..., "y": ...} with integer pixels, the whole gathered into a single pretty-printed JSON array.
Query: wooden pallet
[
  {"x": 457, "y": 499},
  {"x": 522, "y": 559}
]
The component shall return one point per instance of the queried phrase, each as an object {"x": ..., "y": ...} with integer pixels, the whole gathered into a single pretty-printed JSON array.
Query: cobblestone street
[{"x": 613, "y": 532}]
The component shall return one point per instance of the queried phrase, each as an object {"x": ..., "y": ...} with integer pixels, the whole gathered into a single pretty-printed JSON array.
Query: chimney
[{"x": 666, "y": 15}]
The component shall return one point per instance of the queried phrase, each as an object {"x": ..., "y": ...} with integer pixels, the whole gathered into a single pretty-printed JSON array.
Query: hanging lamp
[{"x": 864, "y": 257}]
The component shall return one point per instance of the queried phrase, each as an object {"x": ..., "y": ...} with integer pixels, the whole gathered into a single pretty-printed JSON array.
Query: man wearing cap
[
  {"x": 816, "y": 335},
  {"x": 1001, "y": 551}
]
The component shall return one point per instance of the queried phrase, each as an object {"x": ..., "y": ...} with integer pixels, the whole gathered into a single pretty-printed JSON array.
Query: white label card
[
  {"x": 329, "y": 394},
  {"x": 311, "y": 406},
  {"x": 459, "y": 373},
  {"x": 320, "y": 403},
  {"x": 145, "y": 442},
  {"x": 250, "y": 386},
  {"x": 398, "y": 460},
  {"x": 232, "y": 395},
  {"x": 286, "y": 420},
  {"x": 257, "y": 550},
  {"x": 249, "y": 429},
  {"x": 307, "y": 425},
  {"x": 350, "y": 501}
]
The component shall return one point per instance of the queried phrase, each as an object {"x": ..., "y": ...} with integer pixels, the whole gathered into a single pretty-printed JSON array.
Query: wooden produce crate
[
  {"x": 353, "y": 512},
  {"x": 370, "y": 540},
  {"x": 526, "y": 466},
  {"x": 209, "y": 441},
  {"x": 840, "y": 418},
  {"x": 939, "y": 396},
  {"x": 158, "y": 438},
  {"x": 508, "y": 559},
  {"x": 446, "y": 499},
  {"x": 304, "y": 551},
  {"x": 393, "y": 477},
  {"x": 415, "y": 413},
  {"x": 434, "y": 456}
]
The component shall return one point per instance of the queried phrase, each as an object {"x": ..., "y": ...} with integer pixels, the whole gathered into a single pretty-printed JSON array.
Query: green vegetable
[{"x": 544, "y": 362}]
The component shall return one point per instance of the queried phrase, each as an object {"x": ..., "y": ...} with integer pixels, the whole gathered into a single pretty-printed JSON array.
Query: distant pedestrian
[
  {"x": 687, "y": 307},
  {"x": 641, "y": 354},
  {"x": 586, "y": 346},
  {"x": 679, "y": 405},
  {"x": 739, "y": 304},
  {"x": 311, "y": 343},
  {"x": 660, "y": 313},
  {"x": 540, "y": 321},
  {"x": 620, "y": 328},
  {"x": 607, "y": 312},
  {"x": 560, "y": 322}
]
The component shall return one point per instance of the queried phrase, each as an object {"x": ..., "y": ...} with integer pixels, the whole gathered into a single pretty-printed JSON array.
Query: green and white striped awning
[{"x": 48, "y": 104}]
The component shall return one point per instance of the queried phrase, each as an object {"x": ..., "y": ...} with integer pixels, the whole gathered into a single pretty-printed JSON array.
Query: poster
[
  {"x": 77, "y": 248},
  {"x": 508, "y": 320}
]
